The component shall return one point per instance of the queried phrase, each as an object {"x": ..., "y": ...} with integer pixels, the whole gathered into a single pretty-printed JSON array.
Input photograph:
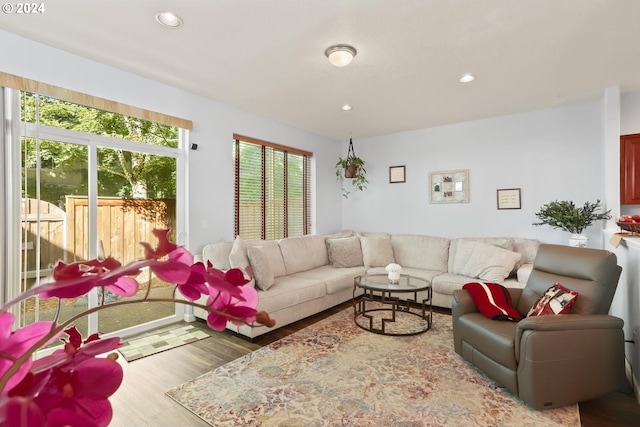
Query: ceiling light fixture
[
  {"x": 467, "y": 78},
  {"x": 346, "y": 107},
  {"x": 340, "y": 55},
  {"x": 169, "y": 19}
]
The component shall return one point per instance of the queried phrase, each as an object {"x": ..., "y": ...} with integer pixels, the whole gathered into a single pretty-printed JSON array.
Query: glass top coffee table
[{"x": 383, "y": 308}]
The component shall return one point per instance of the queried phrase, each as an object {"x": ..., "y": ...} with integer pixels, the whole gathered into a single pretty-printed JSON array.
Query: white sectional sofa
[{"x": 300, "y": 276}]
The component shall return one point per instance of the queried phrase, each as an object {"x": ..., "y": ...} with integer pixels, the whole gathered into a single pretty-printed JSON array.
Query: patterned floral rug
[{"x": 333, "y": 373}]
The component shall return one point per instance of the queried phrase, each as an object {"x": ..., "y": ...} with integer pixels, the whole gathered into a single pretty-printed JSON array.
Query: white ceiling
[{"x": 267, "y": 56}]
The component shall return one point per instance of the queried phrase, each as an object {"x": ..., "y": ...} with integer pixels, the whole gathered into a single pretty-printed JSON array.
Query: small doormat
[{"x": 138, "y": 348}]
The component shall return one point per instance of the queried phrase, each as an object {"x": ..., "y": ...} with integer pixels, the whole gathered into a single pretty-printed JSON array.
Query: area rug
[
  {"x": 333, "y": 374},
  {"x": 138, "y": 348}
]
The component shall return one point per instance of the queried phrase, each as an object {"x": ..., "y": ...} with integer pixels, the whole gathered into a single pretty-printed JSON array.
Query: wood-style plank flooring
[{"x": 141, "y": 401}]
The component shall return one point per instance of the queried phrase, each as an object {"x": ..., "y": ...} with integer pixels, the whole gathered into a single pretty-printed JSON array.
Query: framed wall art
[
  {"x": 449, "y": 186},
  {"x": 509, "y": 198},
  {"x": 397, "y": 174}
]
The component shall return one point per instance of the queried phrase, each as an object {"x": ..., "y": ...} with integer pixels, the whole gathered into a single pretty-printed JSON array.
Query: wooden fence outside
[{"x": 122, "y": 225}]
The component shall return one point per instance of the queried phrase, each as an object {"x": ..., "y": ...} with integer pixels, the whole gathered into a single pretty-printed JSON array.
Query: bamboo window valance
[{"x": 33, "y": 86}]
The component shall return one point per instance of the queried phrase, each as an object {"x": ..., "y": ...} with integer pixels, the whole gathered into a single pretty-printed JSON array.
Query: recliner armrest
[
  {"x": 576, "y": 324},
  {"x": 462, "y": 303},
  {"x": 563, "y": 322}
]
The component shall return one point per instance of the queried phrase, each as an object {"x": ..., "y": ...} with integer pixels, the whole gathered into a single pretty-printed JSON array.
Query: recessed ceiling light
[
  {"x": 169, "y": 19},
  {"x": 467, "y": 78},
  {"x": 346, "y": 107}
]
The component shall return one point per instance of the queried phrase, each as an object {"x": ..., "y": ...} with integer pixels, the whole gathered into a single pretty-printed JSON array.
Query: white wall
[
  {"x": 630, "y": 113},
  {"x": 211, "y": 168},
  {"x": 553, "y": 154}
]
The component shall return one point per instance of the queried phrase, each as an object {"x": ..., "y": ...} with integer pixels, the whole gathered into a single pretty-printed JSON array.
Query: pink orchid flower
[
  {"x": 78, "y": 278},
  {"x": 74, "y": 396},
  {"x": 194, "y": 287},
  {"x": 15, "y": 344},
  {"x": 76, "y": 350},
  {"x": 20, "y": 411},
  {"x": 164, "y": 245},
  {"x": 228, "y": 282},
  {"x": 71, "y": 386},
  {"x": 242, "y": 308}
]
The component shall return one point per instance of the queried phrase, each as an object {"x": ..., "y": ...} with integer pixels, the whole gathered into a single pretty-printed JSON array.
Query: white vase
[
  {"x": 578, "y": 240},
  {"x": 394, "y": 276}
]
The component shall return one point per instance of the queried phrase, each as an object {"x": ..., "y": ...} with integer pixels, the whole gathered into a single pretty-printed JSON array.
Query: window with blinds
[{"x": 272, "y": 190}]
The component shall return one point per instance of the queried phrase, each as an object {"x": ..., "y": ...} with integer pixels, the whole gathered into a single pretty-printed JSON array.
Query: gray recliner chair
[{"x": 556, "y": 360}]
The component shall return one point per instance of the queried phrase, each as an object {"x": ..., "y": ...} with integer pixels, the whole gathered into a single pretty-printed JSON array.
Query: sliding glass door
[
  {"x": 95, "y": 184},
  {"x": 125, "y": 222},
  {"x": 48, "y": 178}
]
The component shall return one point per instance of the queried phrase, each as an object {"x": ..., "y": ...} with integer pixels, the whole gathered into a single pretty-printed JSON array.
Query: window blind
[{"x": 272, "y": 190}]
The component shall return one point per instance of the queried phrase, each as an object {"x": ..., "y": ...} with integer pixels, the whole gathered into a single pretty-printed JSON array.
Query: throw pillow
[
  {"x": 238, "y": 255},
  {"x": 345, "y": 252},
  {"x": 262, "y": 272},
  {"x": 556, "y": 300},
  {"x": 493, "y": 300},
  {"x": 339, "y": 234},
  {"x": 377, "y": 250},
  {"x": 218, "y": 254},
  {"x": 489, "y": 263}
]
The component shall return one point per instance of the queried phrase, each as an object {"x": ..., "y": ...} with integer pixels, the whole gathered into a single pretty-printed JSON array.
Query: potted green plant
[
  {"x": 566, "y": 216},
  {"x": 351, "y": 167}
]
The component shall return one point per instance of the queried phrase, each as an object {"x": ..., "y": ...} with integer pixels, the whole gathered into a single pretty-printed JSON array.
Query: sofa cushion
[
  {"x": 556, "y": 300},
  {"x": 417, "y": 251},
  {"x": 335, "y": 279},
  {"x": 303, "y": 253},
  {"x": 218, "y": 254},
  {"x": 446, "y": 283},
  {"x": 344, "y": 252},
  {"x": 523, "y": 273},
  {"x": 340, "y": 234},
  {"x": 271, "y": 250},
  {"x": 288, "y": 292},
  {"x": 262, "y": 272},
  {"x": 376, "y": 250},
  {"x": 483, "y": 261},
  {"x": 454, "y": 257},
  {"x": 238, "y": 256},
  {"x": 527, "y": 247},
  {"x": 493, "y": 300}
]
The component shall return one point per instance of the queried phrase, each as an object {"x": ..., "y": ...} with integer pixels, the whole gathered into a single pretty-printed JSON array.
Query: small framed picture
[
  {"x": 509, "y": 198},
  {"x": 397, "y": 174}
]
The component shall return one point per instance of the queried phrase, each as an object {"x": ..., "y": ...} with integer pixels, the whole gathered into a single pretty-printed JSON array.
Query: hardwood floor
[{"x": 141, "y": 401}]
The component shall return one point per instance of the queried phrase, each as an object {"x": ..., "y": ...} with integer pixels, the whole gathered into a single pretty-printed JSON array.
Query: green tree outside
[{"x": 123, "y": 173}]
